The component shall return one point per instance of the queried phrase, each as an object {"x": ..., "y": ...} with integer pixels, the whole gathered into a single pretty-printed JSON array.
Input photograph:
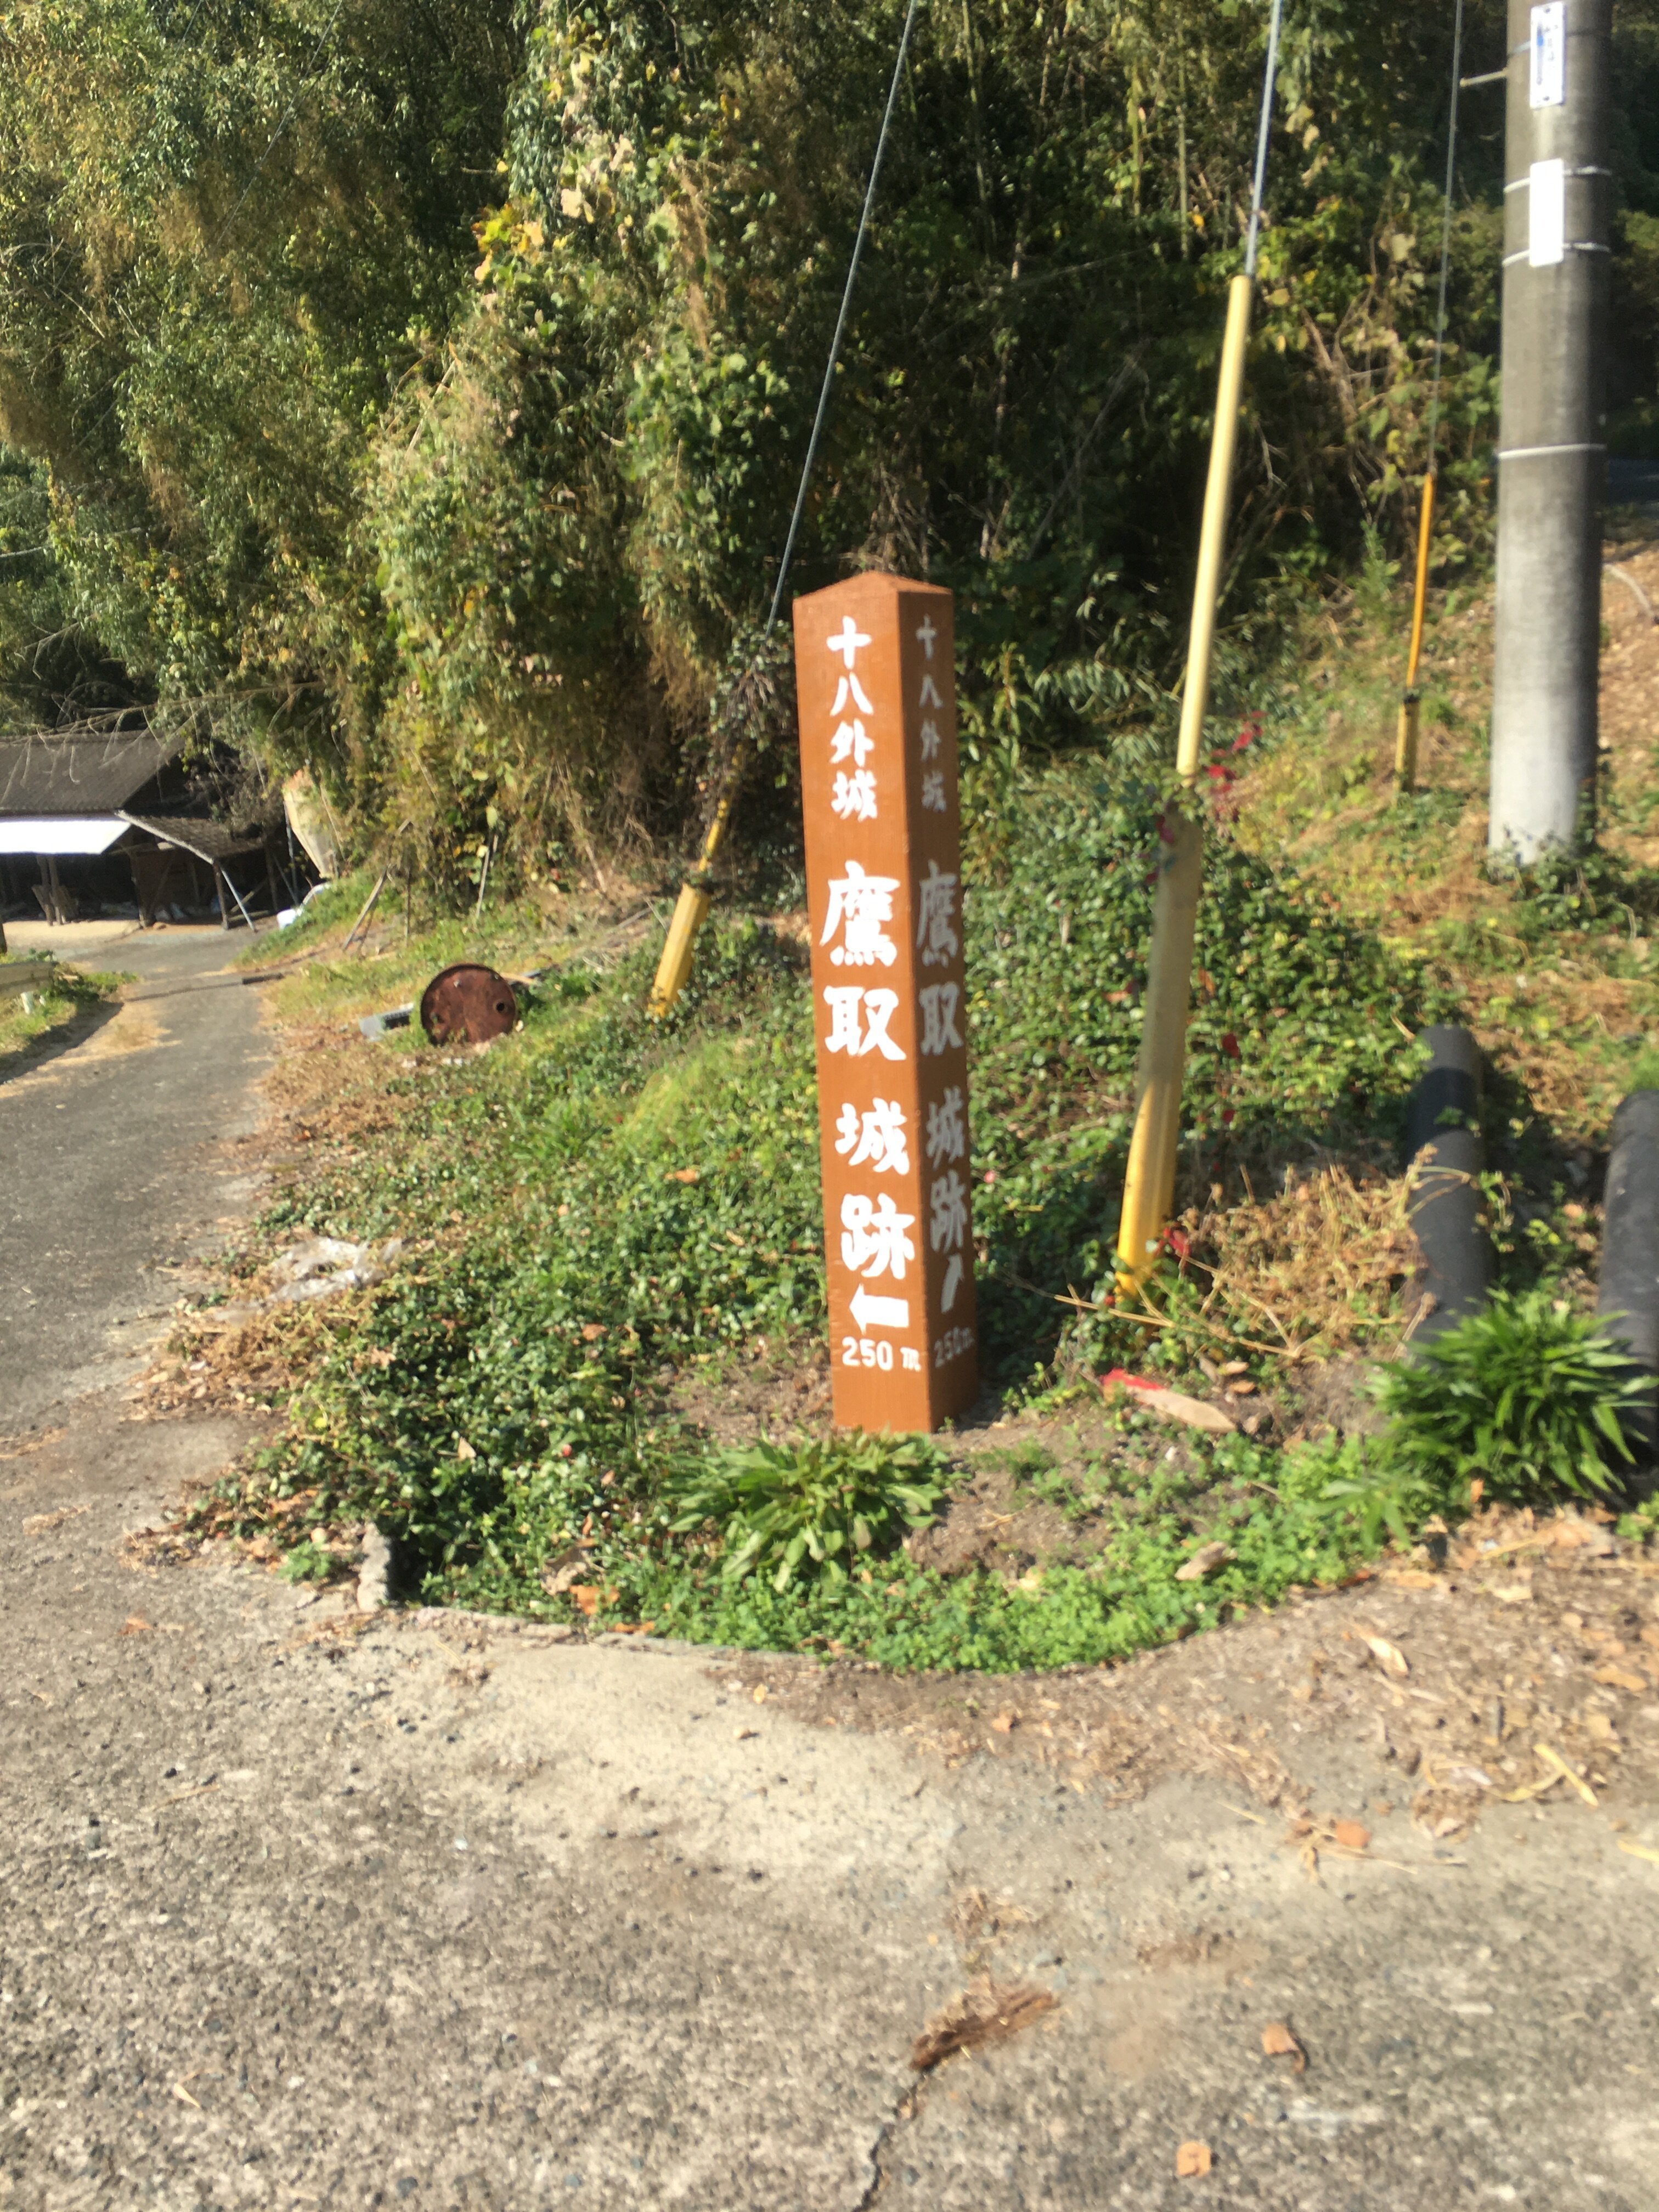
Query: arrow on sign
[{"x": 879, "y": 1313}]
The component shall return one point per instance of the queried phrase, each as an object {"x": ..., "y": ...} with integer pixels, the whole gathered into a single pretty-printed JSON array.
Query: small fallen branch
[{"x": 982, "y": 2013}]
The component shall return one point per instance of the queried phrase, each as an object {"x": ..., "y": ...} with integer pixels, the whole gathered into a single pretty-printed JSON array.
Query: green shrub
[
  {"x": 309, "y": 1563},
  {"x": 810, "y": 1504},
  {"x": 1525, "y": 1395}
]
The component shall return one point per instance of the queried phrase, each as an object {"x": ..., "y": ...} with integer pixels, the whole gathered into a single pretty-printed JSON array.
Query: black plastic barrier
[
  {"x": 1628, "y": 1300},
  {"x": 1445, "y": 1206}
]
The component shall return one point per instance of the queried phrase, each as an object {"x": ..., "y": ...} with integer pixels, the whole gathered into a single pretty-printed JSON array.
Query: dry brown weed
[{"x": 1317, "y": 1269}]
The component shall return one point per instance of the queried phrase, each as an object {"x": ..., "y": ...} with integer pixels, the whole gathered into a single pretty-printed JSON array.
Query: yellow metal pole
[
  {"x": 1149, "y": 1182},
  {"x": 1213, "y": 538},
  {"x": 675, "y": 966},
  {"x": 1404, "y": 750}
]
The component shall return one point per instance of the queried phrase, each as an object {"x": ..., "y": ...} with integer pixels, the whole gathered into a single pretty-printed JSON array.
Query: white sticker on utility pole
[
  {"x": 1548, "y": 75},
  {"x": 1546, "y": 214}
]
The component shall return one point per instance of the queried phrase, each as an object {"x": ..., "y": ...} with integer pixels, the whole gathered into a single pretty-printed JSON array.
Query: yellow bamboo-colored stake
[
  {"x": 1149, "y": 1184},
  {"x": 1213, "y": 538},
  {"x": 674, "y": 968},
  {"x": 1404, "y": 748}
]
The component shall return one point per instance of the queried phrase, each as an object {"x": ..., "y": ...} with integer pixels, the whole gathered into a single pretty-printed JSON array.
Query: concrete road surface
[
  {"x": 118, "y": 1161},
  {"x": 433, "y": 1914}
]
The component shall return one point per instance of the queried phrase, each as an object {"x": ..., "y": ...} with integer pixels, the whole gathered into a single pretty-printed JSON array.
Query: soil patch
[
  {"x": 778, "y": 1390},
  {"x": 1531, "y": 1672}
]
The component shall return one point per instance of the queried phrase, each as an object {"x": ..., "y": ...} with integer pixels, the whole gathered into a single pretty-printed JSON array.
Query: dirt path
[{"x": 302, "y": 1910}]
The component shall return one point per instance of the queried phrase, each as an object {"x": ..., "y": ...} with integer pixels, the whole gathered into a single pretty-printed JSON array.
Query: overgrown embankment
[
  {"x": 612, "y": 1281},
  {"x": 611, "y": 1223}
]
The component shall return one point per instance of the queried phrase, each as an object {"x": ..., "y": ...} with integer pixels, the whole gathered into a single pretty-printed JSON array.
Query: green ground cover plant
[
  {"x": 1524, "y": 1398},
  {"x": 810, "y": 1505},
  {"x": 71, "y": 991}
]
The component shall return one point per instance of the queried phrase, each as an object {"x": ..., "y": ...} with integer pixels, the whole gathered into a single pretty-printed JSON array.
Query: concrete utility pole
[{"x": 1551, "y": 457}]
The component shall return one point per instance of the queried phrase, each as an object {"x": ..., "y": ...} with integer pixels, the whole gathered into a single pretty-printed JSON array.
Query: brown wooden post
[{"x": 876, "y": 687}]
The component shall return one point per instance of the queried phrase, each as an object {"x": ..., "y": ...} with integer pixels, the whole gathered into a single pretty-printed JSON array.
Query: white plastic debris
[{"x": 322, "y": 1265}]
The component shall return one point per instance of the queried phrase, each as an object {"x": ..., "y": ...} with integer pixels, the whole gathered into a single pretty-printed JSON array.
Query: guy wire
[
  {"x": 841, "y": 324},
  {"x": 1445, "y": 233},
  {"x": 1259, "y": 182}
]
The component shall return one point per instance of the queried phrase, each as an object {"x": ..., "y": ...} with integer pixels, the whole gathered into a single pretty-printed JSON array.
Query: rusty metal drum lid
[{"x": 468, "y": 1004}]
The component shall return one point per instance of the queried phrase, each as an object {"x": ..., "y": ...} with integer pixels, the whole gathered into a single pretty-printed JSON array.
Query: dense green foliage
[
  {"x": 815, "y": 1505},
  {"x": 615, "y": 1212},
  {"x": 1523, "y": 1397},
  {"x": 418, "y": 391}
]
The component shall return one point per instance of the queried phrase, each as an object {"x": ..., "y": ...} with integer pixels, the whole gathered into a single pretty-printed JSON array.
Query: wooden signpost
[{"x": 876, "y": 684}]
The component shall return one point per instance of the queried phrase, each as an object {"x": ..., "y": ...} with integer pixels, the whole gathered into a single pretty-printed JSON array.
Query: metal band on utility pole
[
  {"x": 1149, "y": 1177},
  {"x": 1551, "y": 465}
]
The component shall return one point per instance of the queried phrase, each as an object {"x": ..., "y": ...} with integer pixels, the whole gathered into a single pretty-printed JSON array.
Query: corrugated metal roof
[
  {"x": 79, "y": 772},
  {"x": 209, "y": 841}
]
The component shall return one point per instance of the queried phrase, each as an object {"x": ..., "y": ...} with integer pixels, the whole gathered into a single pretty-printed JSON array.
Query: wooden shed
[{"x": 96, "y": 821}]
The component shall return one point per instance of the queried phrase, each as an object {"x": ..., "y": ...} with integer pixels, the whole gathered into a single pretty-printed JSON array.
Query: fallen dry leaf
[
  {"x": 982, "y": 2013},
  {"x": 1586, "y": 1536},
  {"x": 1350, "y": 1834},
  {"x": 1170, "y": 1405},
  {"x": 1003, "y": 1724},
  {"x": 1389, "y": 1656},
  {"x": 42, "y": 1524},
  {"x": 1192, "y": 2159},
  {"x": 135, "y": 1624},
  {"x": 1277, "y": 2042},
  {"x": 1637, "y": 1850},
  {"x": 1205, "y": 1560},
  {"x": 1529, "y": 1790},
  {"x": 1620, "y": 1678},
  {"x": 561, "y": 1575},
  {"x": 465, "y": 1450},
  {"x": 586, "y": 1596},
  {"x": 684, "y": 1175},
  {"x": 1569, "y": 1774},
  {"x": 1412, "y": 1577},
  {"x": 761, "y": 1693}
]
